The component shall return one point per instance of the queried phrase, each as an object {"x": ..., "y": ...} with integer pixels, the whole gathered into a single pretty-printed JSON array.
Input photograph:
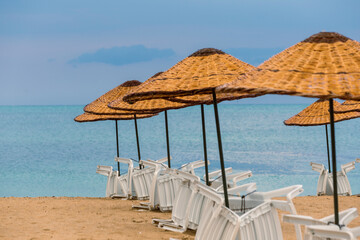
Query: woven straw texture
[
  {"x": 152, "y": 105},
  {"x": 326, "y": 65},
  {"x": 208, "y": 98},
  {"x": 89, "y": 117},
  {"x": 197, "y": 74},
  {"x": 100, "y": 105},
  {"x": 318, "y": 114},
  {"x": 348, "y": 106}
]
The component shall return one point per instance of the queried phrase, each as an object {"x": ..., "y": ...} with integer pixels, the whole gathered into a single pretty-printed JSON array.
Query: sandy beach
[{"x": 102, "y": 218}]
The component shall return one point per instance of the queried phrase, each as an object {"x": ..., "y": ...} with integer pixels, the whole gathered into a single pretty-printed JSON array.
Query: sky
[{"x": 73, "y": 51}]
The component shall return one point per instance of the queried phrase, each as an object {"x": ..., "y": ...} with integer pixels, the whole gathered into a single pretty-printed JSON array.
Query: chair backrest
[
  {"x": 125, "y": 181},
  {"x": 322, "y": 181},
  {"x": 222, "y": 224},
  {"x": 343, "y": 184},
  {"x": 261, "y": 222},
  {"x": 142, "y": 179},
  {"x": 209, "y": 207}
]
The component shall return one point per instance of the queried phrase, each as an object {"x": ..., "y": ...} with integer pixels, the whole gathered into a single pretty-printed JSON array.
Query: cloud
[
  {"x": 253, "y": 56},
  {"x": 119, "y": 56}
]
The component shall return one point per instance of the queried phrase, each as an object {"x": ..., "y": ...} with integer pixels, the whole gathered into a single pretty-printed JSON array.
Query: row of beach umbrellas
[{"x": 325, "y": 65}]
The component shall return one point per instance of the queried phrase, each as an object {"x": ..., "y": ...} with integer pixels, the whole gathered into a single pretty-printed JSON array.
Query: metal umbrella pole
[
  {"x": 137, "y": 141},
  {"x": 327, "y": 146},
  {"x": 167, "y": 138},
  {"x": 204, "y": 143},
  {"x": 220, "y": 149},
  {"x": 117, "y": 145},
  {"x": 333, "y": 152}
]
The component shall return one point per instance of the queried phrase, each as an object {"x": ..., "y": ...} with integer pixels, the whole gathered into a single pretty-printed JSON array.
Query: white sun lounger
[
  {"x": 324, "y": 228},
  {"x": 260, "y": 221},
  {"x": 110, "y": 174},
  {"x": 325, "y": 181},
  {"x": 165, "y": 186},
  {"x": 189, "y": 205},
  {"x": 117, "y": 186},
  {"x": 142, "y": 180}
]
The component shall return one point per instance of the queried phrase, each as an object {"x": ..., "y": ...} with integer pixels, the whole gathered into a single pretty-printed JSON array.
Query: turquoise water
[{"x": 43, "y": 152}]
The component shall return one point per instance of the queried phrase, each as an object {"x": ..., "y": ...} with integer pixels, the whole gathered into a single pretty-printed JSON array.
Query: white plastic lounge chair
[
  {"x": 124, "y": 182},
  {"x": 110, "y": 174},
  {"x": 142, "y": 180},
  {"x": 344, "y": 187},
  {"x": 164, "y": 187},
  {"x": 189, "y": 205},
  {"x": 258, "y": 221},
  {"x": 117, "y": 186},
  {"x": 324, "y": 227},
  {"x": 323, "y": 177},
  {"x": 152, "y": 190},
  {"x": 325, "y": 181}
]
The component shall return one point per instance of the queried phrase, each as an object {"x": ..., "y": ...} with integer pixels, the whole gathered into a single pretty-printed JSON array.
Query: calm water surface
[{"x": 44, "y": 152}]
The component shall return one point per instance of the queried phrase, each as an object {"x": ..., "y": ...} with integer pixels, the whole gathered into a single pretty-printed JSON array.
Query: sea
[{"x": 44, "y": 152}]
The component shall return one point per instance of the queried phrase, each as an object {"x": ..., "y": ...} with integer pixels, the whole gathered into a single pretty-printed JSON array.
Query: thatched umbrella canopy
[
  {"x": 348, "y": 106},
  {"x": 318, "y": 114},
  {"x": 100, "y": 105},
  {"x": 197, "y": 76},
  {"x": 199, "y": 73},
  {"x": 90, "y": 117},
  {"x": 325, "y": 65}
]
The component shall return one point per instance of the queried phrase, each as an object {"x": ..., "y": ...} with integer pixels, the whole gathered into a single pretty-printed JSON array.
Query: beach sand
[{"x": 102, "y": 218}]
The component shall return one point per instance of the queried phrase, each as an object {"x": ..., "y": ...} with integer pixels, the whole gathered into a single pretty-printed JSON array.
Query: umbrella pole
[
  {"x": 137, "y": 141},
  {"x": 220, "y": 149},
  {"x": 204, "y": 143},
  {"x": 167, "y": 138},
  {"x": 117, "y": 145},
  {"x": 327, "y": 146},
  {"x": 333, "y": 152}
]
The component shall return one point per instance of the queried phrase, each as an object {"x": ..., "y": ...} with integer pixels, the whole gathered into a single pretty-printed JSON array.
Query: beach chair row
[{"x": 251, "y": 214}]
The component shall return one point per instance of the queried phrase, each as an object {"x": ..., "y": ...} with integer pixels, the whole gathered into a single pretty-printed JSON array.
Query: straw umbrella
[
  {"x": 318, "y": 114},
  {"x": 325, "y": 65},
  {"x": 198, "y": 74},
  {"x": 99, "y": 106},
  {"x": 348, "y": 106}
]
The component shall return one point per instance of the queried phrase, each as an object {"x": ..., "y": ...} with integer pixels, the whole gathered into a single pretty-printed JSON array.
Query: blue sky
[{"x": 71, "y": 52}]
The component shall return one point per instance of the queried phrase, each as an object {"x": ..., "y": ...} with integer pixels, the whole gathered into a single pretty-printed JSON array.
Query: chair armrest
[
  {"x": 303, "y": 220},
  {"x": 317, "y": 167},
  {"x": 345, "y": 217},
  {"x": 237, "y": 177},
  {"x": 290, "y": 192},
  {"x": 218, "y": 172},
  {"x": 247, "y": 188},
  {"x": 161, "y": 160},
  {"x": 348, "y": 167},
  {"x": 331, "y": 231},
  {"x": 123, "y": 160}
]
